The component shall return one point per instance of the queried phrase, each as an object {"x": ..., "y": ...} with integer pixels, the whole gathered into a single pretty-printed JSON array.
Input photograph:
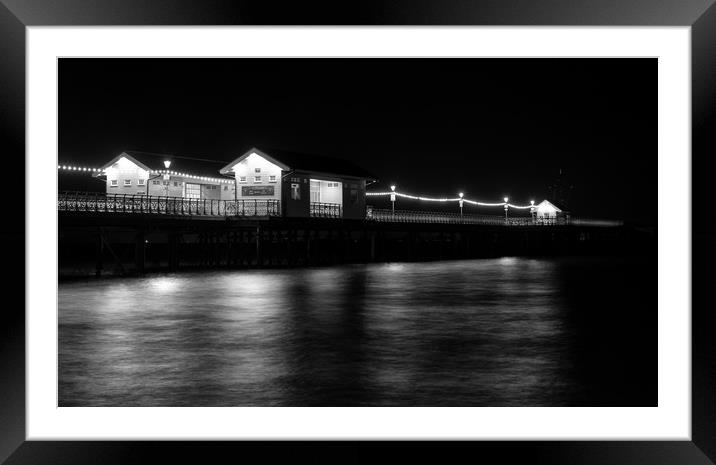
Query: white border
[{"x": 670, "y": 420}]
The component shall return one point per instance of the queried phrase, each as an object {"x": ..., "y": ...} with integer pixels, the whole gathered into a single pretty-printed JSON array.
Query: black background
[{"x": 486, "y": 127}]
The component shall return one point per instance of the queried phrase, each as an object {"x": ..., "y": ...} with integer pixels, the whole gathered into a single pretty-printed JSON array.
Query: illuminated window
[
  {"x": 242, "y": 178},
  {"x": 272, "y": 178},
  {"x": 257, "y": 178},
  {"x": 113, "y": 183},
  {"x": 127, "y": 182},
  {"x": 140, "y": 182},
  {"x": 192, "y": 191},
  {"x": 315, "y": 191}
]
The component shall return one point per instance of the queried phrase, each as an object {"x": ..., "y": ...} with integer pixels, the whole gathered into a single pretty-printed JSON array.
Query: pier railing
[
  {"x": 408, "y": 216},
  {"x": 128, "y": 203},
  {"x": 325, "y": 210}
]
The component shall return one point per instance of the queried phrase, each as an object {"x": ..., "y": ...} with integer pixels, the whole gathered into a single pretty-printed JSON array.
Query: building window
[
  {"x": 354, "y": 196},
  {"x": 257, "y": 179},
  {"x": 257, "y": 170},
  {"x": 176, "y": 183},
  {"x": 192, "y": 191},
  {"x": 226, "y": 188},
  {"x": 166, "y": 183},
  {"x": 140, "y": 182},
  {"x": 272, "y": 178},
  {"x": 140, "y": 192},
  {"x": 127, "y": 182},
  {"x": 156, "y": 183},
  {"x": 242, "y": 178},
  {"x": 333, "y": 184},
  {"x": 113, "y": 183},
  {"x": 315, "y": 191}
]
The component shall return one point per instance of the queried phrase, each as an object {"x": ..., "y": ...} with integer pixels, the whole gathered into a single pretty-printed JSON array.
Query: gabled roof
[
  {"x": 288, "y": 160},
  {"x": 549, "y": 204},
  {"x": 155, "y": 162}
]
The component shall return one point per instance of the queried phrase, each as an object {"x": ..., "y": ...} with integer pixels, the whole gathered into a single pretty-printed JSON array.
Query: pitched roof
[
  {"x": 548, "y": 203},
  {"x": 306, "y": 162},
  {"x": 180, "y": 164}
]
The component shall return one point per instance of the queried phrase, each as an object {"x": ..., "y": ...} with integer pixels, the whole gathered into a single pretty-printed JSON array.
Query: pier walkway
[{"x": 97, "y": 202}]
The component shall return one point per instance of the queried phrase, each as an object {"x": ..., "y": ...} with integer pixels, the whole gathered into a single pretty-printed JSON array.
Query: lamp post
[
  {"x": 506, "y": 208},
  {"x": 392, "y": 199},
  {"x": 460, "y": 201},
  {"x": 532, "y": 210},
  {"x": 166, "y": 177}
]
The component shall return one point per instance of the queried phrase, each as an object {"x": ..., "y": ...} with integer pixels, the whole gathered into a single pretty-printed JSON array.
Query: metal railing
[
  {"x": 325, "y": 210},
  {"x": 408, "y": 216},
  {"x": 137, "y": 203}
]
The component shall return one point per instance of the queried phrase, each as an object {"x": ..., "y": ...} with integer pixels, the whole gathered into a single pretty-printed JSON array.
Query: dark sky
[{"x": 487, "y": 127}]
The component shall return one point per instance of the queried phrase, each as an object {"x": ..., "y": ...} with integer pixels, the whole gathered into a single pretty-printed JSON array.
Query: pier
[{"x": 124, "y": 235}]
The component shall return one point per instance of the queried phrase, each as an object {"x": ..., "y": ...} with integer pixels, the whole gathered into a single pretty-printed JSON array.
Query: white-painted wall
[
  {"x": 247, "y": 167},
  {"x": 546, "y": 210},
  {"x": 123, "y": 170},
  {"x": 157, "y": 185}
]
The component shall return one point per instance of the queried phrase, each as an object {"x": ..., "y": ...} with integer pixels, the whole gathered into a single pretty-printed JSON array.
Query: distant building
[
  {"x": 560, "y": 190},
  {"x": 306, "y": 185},
  {"x": 546, "y": 210}
]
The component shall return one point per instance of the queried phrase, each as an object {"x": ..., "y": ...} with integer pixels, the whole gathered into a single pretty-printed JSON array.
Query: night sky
[{"x": 486, "y": 127}]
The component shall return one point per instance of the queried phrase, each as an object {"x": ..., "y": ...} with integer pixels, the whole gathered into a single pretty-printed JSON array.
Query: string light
[
  {"x": 456, "y": 199},
  {"x": 192, "y": 176},
  {"x": 77, "y": 168},
  {"x": 175, "y": 173}
]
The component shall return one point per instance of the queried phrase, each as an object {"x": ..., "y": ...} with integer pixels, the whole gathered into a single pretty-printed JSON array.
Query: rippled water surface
[{"x": 497, "y": 332}]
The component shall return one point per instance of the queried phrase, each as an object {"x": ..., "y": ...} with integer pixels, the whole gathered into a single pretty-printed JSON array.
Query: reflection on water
[{"x": 499, "y": 332}]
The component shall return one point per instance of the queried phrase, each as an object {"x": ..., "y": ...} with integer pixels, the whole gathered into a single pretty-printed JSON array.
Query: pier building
[{"x": 294, "y": 184}]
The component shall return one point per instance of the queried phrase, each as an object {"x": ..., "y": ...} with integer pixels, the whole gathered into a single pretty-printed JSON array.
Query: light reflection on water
[{"x": 482, "y": 332}]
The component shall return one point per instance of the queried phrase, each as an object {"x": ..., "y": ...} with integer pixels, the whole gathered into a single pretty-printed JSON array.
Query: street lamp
[
  {"x": 392, "y": 198},
  {"x": 166, "y": 177},
  {"x": 506, "y": 208},
  {"x": 461, "y": 195},
  {"x": 532, "y": 209}
]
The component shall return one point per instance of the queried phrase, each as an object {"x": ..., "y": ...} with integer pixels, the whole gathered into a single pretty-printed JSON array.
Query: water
[{"x": 497, "y": 332}]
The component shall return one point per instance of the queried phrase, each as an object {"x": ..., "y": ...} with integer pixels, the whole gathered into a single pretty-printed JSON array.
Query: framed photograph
[{"x": 421, "y": 230}]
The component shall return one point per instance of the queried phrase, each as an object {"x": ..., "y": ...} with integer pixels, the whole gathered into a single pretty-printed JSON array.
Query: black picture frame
[{"x": 700, "y": 15}]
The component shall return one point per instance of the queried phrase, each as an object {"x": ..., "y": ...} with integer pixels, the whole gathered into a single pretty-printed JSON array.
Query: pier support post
[
  {"x": 259, "y": 260},
  {"x": 99, "y": 253},
  {"x": 172, "y": 240},
  {"x": 307, "y": 236},
  {"x": 139, "y": 252},
  {"x": 289, "y": 237}
]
